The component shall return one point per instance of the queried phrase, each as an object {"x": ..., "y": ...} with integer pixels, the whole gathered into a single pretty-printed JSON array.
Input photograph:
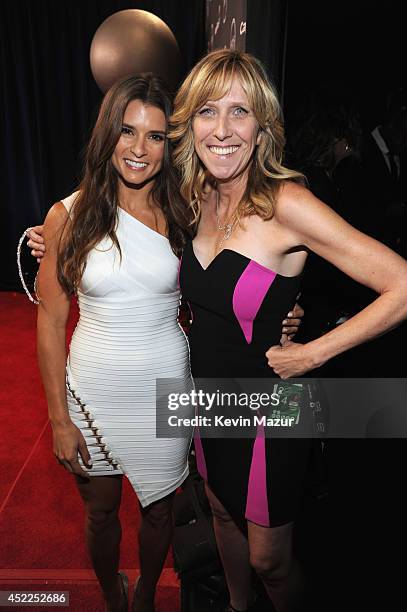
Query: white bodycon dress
[{"x": 127, "y": 337}]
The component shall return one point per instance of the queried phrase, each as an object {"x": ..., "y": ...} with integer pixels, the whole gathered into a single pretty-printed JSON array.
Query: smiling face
[
  {"x": 139, "y": 152},
  {"x": 226, "y": 134}
]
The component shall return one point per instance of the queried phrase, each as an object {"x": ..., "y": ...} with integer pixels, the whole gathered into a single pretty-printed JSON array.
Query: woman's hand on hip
[{"x": 290, "y": 360}]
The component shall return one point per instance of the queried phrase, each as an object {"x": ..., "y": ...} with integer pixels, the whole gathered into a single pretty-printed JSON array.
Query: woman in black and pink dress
[{"x": 240, "y": 275}]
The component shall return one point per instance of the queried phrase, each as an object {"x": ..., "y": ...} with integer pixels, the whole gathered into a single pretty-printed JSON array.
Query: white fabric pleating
[{"x": 127, "y": 337}]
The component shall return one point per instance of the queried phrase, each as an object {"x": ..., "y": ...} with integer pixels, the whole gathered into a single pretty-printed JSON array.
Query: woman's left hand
[{"x": 292, "y": 359}]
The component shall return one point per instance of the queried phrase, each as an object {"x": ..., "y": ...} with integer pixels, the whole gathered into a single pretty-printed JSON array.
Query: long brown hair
[
  {"x": 94, "y": 213},
  {"x": 210, "y": 79}
]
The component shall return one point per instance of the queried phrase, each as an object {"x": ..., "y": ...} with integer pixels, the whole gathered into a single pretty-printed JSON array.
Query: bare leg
[
  {"x": 271, "y": 557},
  {"x": 234, "y": 553},
  {"x": 155, "y": 536},
  {"x": 102, "y": 495}
]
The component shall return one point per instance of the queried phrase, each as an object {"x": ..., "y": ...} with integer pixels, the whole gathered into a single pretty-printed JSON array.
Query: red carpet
[{"x": 41, "y": 515}]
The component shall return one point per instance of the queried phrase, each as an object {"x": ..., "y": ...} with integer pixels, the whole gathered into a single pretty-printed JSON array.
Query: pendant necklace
[{"x": 227, "y": 228}]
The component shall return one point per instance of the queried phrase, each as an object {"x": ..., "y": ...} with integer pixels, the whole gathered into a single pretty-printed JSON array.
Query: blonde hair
[{"x": 211, "y": 79}]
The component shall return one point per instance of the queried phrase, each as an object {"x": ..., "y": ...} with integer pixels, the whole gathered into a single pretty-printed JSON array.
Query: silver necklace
[{"x": 227, "y": 228}]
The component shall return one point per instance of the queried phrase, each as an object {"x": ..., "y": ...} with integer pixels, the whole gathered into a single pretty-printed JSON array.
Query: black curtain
[
  {"x": 265, "y": 36},
  {"x": 358, "y": 48},
  {"x": 49, "y": 100}
]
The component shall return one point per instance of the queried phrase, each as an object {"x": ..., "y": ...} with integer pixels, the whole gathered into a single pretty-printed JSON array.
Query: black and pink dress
[{"x": 237, "y": 307}]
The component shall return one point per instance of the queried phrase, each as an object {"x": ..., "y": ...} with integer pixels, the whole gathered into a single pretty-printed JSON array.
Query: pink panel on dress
[
  {"x": 249, "y": 294},
  {"x": 257, "y": 509}
]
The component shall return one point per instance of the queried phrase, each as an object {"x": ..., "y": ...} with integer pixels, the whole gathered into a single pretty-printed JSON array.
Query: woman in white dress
[{"x": 115, "y": 243}]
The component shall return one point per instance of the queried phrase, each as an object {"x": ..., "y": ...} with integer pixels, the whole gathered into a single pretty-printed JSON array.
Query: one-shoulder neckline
[
  {"x": 149, "y": 229},
  {"x": 226, "y": 250}
]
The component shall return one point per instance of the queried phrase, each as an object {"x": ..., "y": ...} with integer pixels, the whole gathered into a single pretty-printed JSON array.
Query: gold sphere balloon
[{"x": 134, "y": 41}]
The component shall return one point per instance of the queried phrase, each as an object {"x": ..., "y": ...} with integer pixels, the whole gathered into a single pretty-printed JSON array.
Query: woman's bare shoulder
[
  {"x": 297, "y": 205},
  {"x": 56, "y": 213},
  {"x": 290, "y": 197},
  {"x": 55, "y": 221},
  {"x": 62, "y": 209}
]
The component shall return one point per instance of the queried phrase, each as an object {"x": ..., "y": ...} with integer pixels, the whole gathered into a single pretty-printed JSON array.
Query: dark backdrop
[
  {"x": 266, "y": 36},
  {"x": 48, "y": 96},
  {"x": 49, "y": 99},
  {"x": 356, "y": 46}
]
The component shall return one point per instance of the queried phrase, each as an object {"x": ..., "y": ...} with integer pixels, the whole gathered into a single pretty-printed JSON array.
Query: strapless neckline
[{"x": 236, "y": 253}]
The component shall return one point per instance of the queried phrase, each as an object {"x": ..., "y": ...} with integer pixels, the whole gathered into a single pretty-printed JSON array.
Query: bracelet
[{"x": 34, "y": 300}]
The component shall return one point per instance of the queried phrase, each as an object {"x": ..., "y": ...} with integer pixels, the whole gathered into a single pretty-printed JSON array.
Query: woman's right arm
[{"x": 53, "y": 312}]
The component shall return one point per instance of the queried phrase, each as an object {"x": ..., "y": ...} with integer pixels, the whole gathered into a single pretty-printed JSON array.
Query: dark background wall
[
  {"x": 49, "y": 99},
  {"x": 266, "y": 36},
  {"x": 356, "y": 45}
]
